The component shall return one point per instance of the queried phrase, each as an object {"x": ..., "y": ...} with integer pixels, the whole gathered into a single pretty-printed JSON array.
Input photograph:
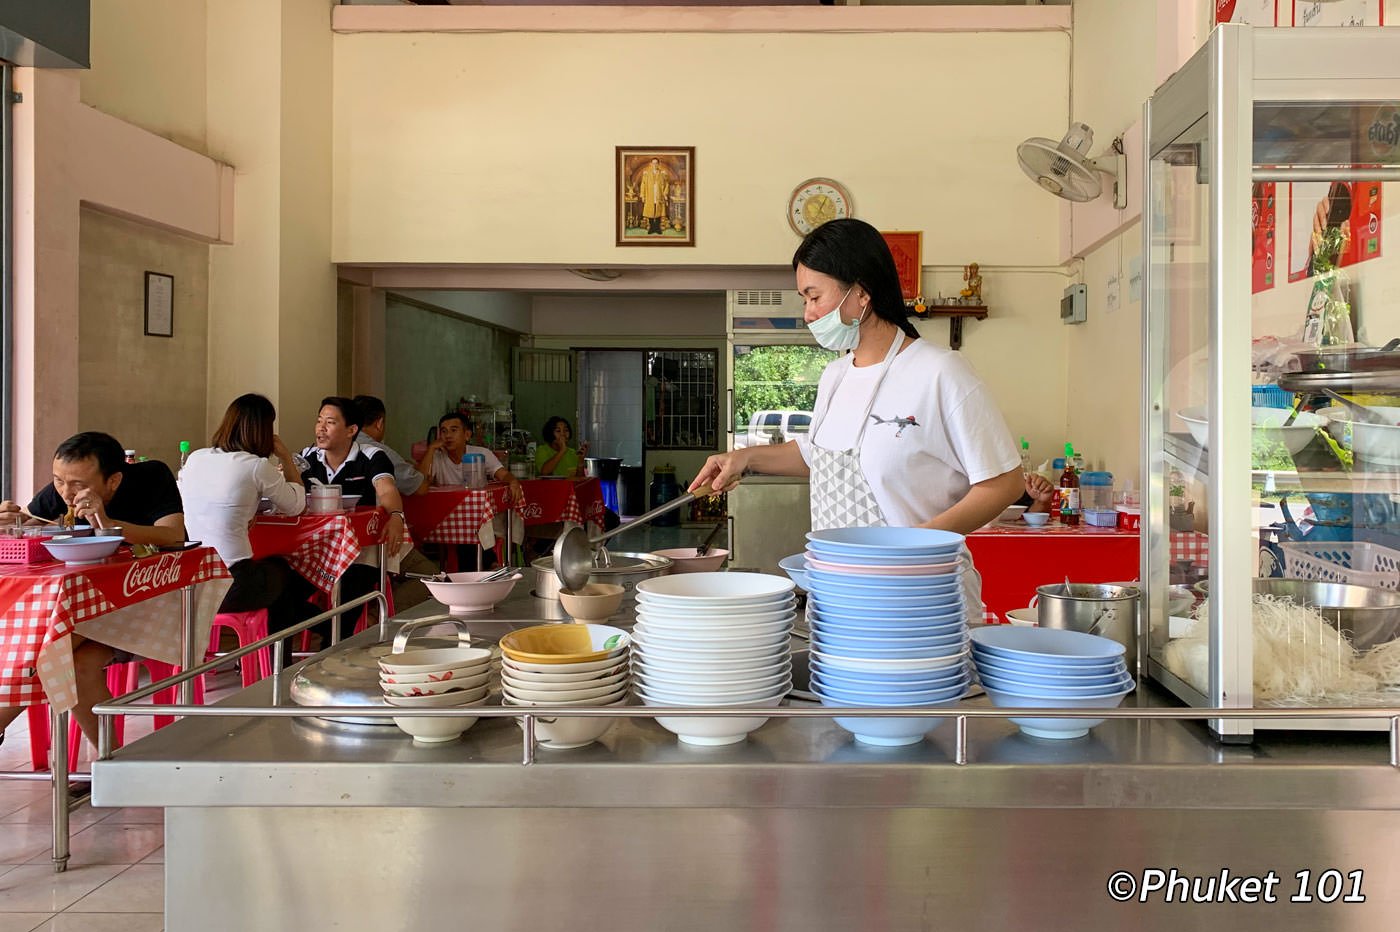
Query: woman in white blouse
[{"x": 222, "y": 486}]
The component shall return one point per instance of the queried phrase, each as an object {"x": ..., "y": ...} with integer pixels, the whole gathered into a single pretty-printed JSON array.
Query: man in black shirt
[{"x": 92, "y": 479}]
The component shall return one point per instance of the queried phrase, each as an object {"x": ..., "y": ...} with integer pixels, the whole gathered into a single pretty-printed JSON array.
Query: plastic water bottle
[
  {"x": 184, "y": 452},
  {"x": 1025, "y": 456},
  {"x": 474, "y": 471}
]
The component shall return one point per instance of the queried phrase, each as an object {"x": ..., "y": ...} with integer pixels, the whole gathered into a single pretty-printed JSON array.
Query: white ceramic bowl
[
  {"x": 1023, "y": 616},
  {"x": 594, "y": 602},
  {"x": 1268, "y": 425},
  {"x": 441, "y": 700},
  {"x": 717, "y": 731},
  {"x": 719, "y": 669},
  {"x": 1372, "y": 443},
  {"x": 80, "y": 550},
  {"x": 564, "y": 733},
  {"x": 1036, "y": 518},
  {"x": 462, "y": 594},
  {"x": 454, "y": 675},
  {"x": 587, "y": 676},
  {"x": 509, "y": 680},
  {"x": 715, "y": 633},
  {"x": 435, "y": 660},
  {"x": 649, "y": 651},
  {"x": 688, "y": 681},
  {"x": 612, "y": 698},
  {"x": 433, "y": 730},
  {"x": 393, "y": 688},
  {"x": 710, "y": 618},
  {"x": 589, "y": 694},
  {"x": 710, "y": 697},
  {"x": 662, "y": 639},
  {"x": 590, "y": 666},
  {"x": 684, "y": 559},
  {"x": 715, "y": 588}
]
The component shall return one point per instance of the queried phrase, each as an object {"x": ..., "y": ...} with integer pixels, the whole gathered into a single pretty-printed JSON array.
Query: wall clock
[{"x": 814, "y": 202}]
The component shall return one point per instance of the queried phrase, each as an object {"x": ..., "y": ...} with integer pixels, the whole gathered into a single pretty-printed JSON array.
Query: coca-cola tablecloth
[
  {"x": 319, "y": 547},
  {"x": 41, "y": 604},
  {"x": 456, "y": 515}
]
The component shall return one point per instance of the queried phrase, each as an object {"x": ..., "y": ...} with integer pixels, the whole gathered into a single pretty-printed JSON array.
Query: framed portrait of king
[{"x": 655, "y": 196}]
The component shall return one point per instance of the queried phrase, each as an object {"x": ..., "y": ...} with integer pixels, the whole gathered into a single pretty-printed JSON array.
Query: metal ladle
[{"x": 573, "y": 551}]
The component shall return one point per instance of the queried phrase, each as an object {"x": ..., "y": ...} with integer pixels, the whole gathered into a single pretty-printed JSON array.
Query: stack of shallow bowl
[
  {"x": 566, "y": 665},
  {"x": 888, "y": 628},
  {"x": 1050, "y": 668},
  {"x": 713, "y": 639},
  {"x": 435, "y": 679}
]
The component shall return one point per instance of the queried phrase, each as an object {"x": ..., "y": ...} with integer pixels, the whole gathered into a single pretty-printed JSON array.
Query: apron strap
[{"x": 895, "y": 346}]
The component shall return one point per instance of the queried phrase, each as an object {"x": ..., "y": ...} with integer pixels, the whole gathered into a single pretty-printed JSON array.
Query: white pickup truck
[{"x": 773, "y": 427}]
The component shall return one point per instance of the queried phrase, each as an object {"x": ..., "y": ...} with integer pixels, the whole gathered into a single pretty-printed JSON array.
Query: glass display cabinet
[{"x": 1270, "y": 231}]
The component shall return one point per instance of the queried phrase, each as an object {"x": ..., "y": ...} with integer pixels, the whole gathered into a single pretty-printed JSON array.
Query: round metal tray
[{"x": 1380, "y": 380}]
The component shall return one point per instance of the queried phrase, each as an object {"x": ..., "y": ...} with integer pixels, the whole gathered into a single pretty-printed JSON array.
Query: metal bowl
[{"x": 1367, "y": 615}]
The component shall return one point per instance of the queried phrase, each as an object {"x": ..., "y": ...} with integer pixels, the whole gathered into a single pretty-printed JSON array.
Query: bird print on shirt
[{"x": 903, "y": 422}]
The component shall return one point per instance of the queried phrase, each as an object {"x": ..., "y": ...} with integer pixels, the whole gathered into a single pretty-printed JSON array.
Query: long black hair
[
  {"x": 852, "y": 251},
  {"x": 553, "y": 422}
]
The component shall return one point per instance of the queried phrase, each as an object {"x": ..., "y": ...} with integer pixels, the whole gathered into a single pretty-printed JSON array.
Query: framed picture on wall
[
  {"x": 907, "y": 248},
  {"x": 160, "y": 304},
  {"x": 655, "y": 196}
]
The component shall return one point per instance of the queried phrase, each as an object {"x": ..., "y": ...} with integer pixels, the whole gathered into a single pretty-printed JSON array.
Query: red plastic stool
[
  {"x": 160, "y": 671},
  {"x": 40, "y": 735},
  {"x": 250, "y": 627}
]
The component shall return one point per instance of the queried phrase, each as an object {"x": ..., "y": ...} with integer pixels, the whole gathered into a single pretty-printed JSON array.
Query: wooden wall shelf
[{"x": 956, "y": 314}]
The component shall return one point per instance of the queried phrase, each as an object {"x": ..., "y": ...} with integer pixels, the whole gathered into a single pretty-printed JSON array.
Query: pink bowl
[{"x": 922, "y": 569}]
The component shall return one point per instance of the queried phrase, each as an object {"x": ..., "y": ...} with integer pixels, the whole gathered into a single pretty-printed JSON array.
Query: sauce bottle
[{"x": 1069, "y": 490}]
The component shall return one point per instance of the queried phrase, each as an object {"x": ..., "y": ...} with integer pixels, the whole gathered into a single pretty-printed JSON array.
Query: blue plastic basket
[{"x": 1271, "y": 396}]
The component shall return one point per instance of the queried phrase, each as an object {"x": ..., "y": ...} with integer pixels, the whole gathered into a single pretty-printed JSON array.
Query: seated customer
[
  {"x": 443, "y": 463},
  {"x": 222, "y": 486},
  {"x": 409, "y": 480},
  {"x": 339, "y": 458},
  {"x": 555, "y": 457},
  {"x": 93, "y": 483}
]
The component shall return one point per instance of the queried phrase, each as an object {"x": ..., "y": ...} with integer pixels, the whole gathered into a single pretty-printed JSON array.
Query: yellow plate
[{"x": 564, "y": 643}]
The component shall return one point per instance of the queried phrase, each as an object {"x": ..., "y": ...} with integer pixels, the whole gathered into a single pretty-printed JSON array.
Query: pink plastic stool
[
  {"x": 250, "y": 627},
  {"x": 160, "y": 671}
]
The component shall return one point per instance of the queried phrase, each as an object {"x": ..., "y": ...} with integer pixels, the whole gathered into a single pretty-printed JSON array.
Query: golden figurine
[{"x": 974, "y": 284}]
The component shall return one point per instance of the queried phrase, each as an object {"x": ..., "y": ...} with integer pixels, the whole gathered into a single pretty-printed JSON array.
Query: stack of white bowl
[
  {"x": 713, "y": 639},
  {"x": 1050, "y": 668},
  {"x": 575, "y": 665},
  {"x": 434, "y": 679},
  {"x": 888, "y": 625}
]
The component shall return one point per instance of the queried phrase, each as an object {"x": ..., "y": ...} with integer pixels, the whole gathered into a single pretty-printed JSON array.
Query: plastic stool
[
  {"x": 250, "y": 627},
  {"x": 40, "y": 734},
  {"x": 160, "y": 671}
]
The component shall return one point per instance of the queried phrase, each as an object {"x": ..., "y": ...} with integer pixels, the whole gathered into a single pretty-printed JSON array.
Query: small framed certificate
[{"x": 160, "y": 304}]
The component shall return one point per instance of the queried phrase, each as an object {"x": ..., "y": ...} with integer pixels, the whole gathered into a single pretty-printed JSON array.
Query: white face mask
[{"x": 831, "y": 332}]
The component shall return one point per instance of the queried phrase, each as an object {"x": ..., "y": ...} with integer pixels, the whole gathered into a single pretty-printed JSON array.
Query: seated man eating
[{"x": 93, "y": 484}]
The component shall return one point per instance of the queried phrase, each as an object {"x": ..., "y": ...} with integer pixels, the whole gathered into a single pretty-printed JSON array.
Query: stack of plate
[
  {"x": 442, "y": 678},
  {"x": 713, "y": 639},
  {"x": 1050, "y": 668},
  {"x": 888, "y": 627},
  {"x": 565, "y": 665}
]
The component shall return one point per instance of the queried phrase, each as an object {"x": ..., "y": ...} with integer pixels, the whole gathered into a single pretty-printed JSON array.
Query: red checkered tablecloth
[
  {"x": 319, "y": 547},
  {"x": 456, "y": 515},
  {"x": 41, "y": 605}
]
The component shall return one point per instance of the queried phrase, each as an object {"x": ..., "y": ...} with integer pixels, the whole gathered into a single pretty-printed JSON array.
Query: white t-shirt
[
  {"x": 221, "y": 492},
  {"x": 446, "y": 472},
  {"x": 933, "y": 432}
]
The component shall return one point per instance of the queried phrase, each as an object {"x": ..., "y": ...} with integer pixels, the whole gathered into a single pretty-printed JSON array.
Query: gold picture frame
[{"x": 655, "y": 196}]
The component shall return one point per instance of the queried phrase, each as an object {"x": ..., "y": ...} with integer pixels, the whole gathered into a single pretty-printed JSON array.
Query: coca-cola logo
[
  {"x": 1384, "y": 133},
  {"x": 375, "y": 524},
  {"x": 160, "y": 574},
  {"x": 531, "y": 510}
]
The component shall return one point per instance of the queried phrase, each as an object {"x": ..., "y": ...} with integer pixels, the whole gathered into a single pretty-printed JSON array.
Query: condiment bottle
[
  {"x": 184, "y": 452},
  {"x": 1069, "y": 490},
  {"x": 1025, "y": 456}
]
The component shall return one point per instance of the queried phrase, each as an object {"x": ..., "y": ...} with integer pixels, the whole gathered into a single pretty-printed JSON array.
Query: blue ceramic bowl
[
  {"x": 960, "y": 679},
  {"x": 1080, "y": 675},
  {"x": 879, "y": 559},
  {"x": 838, "y": 641},
  {"x": 992, "y": 681},
  {"x": 871, "y": 613},
  {"x": 888, "y": 732},
  {"x": 939, "y": 582},
  {"x": 895, "y": 679},
  {"x": 796, "y": 568},
  {"x": 881, "y": 627},
  {"x": 821, "y": 686},
  {"x": 896, "y": 541},
  {"x": 1046, "y": 645},
  {"x": 891, "y": 633},
  {"x": 842, "y": 590},
  {"x": 846, "y": 650},
  {"x": 1054, "y": 727}
]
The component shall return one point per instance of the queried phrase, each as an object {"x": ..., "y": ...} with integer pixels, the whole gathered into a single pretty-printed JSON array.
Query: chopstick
[{"x": 37, "y": 518}]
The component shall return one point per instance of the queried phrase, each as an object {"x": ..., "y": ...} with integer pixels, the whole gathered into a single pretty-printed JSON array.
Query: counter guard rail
[{"x": 528, "y": 715}]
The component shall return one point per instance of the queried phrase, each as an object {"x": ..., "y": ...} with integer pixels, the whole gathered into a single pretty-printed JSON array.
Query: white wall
[
  {"x": 520, "y": 130},
  {"x": 597, "y": 316}
]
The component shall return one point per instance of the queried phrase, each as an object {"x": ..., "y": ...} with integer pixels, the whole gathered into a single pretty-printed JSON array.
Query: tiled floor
[{"x": 115, "y": 880}]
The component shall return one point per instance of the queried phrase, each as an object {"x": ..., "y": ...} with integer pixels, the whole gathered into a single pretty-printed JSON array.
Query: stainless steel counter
[{"x": 283, "y": 823}]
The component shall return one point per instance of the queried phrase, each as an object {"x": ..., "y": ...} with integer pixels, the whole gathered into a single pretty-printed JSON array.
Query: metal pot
[
  {"x": 627, "y": 570},
  {"x": 1367, "y": 615},
  {"x": 1110, "y": 611}
]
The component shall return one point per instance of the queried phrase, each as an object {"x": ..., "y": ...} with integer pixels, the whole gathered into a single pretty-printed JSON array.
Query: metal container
[
  {"x": 1367, "y": 615},
  {"x": 627, "y": 570},
  {"x": 323, "y": 499},
  {"x": 1110, "y": 611}
]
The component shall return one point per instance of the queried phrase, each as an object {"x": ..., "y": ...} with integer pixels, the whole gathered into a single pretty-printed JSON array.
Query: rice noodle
[{"x": 1298, "y": 655}]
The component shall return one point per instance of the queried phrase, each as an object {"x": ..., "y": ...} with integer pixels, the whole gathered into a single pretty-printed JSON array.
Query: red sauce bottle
[{"x": 1069, "y": 490}]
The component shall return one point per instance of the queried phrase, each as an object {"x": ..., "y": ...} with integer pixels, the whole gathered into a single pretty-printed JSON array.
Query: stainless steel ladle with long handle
[{"x": 573, "y": 551}]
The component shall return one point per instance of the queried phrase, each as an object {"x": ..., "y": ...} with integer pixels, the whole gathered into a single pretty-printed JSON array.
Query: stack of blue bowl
[
  {"x": 1050, "y": 668},
  {"x": 888, "y": 628}
]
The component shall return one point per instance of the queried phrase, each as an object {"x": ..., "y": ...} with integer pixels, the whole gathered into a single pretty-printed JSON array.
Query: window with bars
[{"x": 680, "y": 400}]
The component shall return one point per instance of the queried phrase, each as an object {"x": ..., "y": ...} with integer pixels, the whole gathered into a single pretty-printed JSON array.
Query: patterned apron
[{"x": 842, "y": 497}]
